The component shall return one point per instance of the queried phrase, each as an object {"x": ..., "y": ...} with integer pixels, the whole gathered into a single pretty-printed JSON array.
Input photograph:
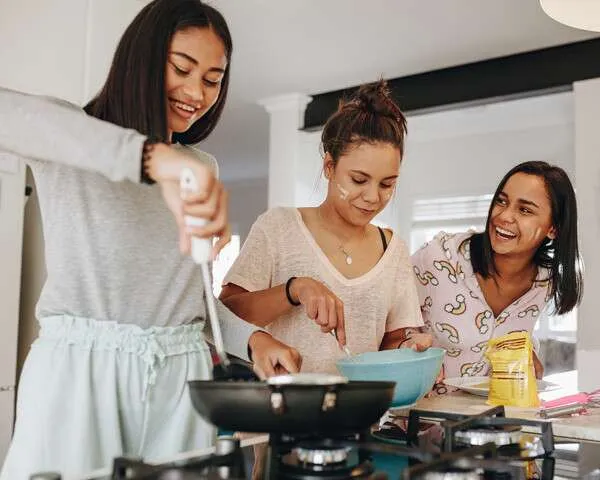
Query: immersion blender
[{"x": 201, "y": 254}]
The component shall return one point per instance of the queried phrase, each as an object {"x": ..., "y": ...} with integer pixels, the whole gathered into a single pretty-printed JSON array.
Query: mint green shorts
[{"x": 91, "y": 391}]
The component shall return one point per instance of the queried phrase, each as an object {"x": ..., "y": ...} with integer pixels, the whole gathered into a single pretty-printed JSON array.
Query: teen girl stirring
[{"x": 329, "y": 265}]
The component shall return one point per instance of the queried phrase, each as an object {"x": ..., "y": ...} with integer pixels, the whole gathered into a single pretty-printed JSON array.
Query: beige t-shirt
[{"x": 280, "y": 246}]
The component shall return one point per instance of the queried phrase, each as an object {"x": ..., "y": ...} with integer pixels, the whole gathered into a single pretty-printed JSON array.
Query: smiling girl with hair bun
[{"x": 306, "y": 272}]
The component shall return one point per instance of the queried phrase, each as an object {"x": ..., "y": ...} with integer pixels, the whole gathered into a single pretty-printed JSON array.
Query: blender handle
[{"x": 201, "y": 252}]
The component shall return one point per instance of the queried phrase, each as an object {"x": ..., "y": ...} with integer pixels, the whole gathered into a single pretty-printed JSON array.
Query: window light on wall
[
  {"x": 450, "y": 214},
  {"x": 451, "y": 208},
  {"x": 223, "y": 263}
]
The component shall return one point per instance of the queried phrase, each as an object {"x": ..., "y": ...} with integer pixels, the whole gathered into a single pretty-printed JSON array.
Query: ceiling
[{"x": 313, "y": 46}]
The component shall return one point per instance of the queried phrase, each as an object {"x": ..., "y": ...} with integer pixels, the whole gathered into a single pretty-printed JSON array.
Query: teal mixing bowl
[{"x": 413, "y": 372}]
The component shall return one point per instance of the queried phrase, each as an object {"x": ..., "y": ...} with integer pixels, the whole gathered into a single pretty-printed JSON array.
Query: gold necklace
[{"x": 341, "y": 248}]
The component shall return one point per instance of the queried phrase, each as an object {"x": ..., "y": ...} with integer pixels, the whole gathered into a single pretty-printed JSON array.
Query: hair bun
[
  {"x": 375, "y": 98},
  {"x": 369, "y": 115}
]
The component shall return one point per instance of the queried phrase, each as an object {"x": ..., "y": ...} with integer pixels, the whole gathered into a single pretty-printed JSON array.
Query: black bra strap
[{"x": 383, "y": 239}]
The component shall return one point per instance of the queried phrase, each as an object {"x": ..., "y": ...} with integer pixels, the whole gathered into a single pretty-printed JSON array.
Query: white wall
[
  {"x": 105, "y": 22},
  {"x": 247, "y": 200},
  {"x": 39, "y": 58},
  {"x": 33, "y": 273},
  {"x": 587, "y": 169},
  {"x": 462, "y": 152},
  {"x": 12, "y": 197}
]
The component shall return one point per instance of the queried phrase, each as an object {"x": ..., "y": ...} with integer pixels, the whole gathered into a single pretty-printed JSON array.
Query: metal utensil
[
  {"x": 201, "y": 253},
  {"x": 343, "y": 347},
  {"x": 220, "y": 369},
  {"x": 563, "y": 410}
]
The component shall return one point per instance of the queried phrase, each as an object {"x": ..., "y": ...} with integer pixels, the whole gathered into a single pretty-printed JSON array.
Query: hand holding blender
[
  {"x": 202, "y": 255},
  {"x": 267, "y": 352}
]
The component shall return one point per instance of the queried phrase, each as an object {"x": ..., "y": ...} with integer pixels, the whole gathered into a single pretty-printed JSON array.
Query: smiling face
[
  {"x": 521, "y": 217},
  {"x": 195, "y": 67},
  {"x": 363, "y": 181}
]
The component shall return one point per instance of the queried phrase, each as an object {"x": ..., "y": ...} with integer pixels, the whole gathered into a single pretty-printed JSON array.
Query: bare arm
[
  {"x": 259, "y": 308},
  {"x": 410, "y": 337},
  {"x": 52, "y": 130},
  {"x": 265, "y": 306},
  {"x": 393, "y": 339}
]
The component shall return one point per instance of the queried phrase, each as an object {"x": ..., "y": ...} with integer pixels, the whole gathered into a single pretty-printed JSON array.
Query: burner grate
[{"x": 504, "y": 429}]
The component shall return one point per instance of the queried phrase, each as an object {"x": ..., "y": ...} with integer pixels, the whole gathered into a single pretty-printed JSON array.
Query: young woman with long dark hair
[
  {"x": 477, "y": 286},
  {"x": 122, "y": 313}
]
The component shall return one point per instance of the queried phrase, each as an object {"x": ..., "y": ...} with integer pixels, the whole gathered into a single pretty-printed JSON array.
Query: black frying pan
[{"x": 260, "y": 407}]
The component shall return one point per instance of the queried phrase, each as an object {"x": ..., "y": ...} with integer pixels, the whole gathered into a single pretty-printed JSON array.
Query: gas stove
[
  {"x": 528, "y": 446},
  {"x": 305, "y": 458},
  {"x": 422, "y": 445}
]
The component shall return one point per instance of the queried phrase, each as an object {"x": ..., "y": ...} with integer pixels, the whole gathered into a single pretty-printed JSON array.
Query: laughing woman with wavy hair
[{"x": 477, "y": 286}]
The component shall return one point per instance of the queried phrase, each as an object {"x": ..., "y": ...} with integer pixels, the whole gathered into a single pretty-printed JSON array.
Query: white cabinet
[{"x": 12, "y": 201}]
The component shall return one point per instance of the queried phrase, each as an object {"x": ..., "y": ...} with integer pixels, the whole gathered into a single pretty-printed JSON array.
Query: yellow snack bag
[{"x": 512, "y": 382}]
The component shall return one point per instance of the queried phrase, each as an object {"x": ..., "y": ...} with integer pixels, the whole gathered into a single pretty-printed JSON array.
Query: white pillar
[
  {"x": 286, "y": 119},
  {"x": 587, "y": 184}
]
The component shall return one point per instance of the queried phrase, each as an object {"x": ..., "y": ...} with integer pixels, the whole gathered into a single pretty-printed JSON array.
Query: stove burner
[
  {"x": 470, "y": 463},
  {"x": 456, "y": 475},
  {"x": 291, "y": 467},
  {"x": 506, "y": 433},
  {"x": 322, "y": 456},
  {"x": 416, "y": 420},
  {"x": 511, "y": 443},
  {"x": 311, "y": 458},
  {"x": 483, "y": 436}
]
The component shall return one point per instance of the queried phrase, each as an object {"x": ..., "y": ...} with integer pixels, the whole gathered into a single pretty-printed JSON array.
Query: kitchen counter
[
  {"x": 582, "y": 427},
  {"x": 585, "y": 428}
]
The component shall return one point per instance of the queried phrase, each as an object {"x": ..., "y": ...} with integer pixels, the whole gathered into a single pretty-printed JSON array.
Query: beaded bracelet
[{"x": 146, "y": 155}]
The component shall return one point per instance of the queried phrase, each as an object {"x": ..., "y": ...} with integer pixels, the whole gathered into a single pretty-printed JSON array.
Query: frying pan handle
[
  {"x": 277, "y": 401},
  {"x": 330, "y": 398},
  {"x": 277, "y": 398}
]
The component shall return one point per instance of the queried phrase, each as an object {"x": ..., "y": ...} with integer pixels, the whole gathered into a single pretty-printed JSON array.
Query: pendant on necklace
[{"x": 347, "y": 255}]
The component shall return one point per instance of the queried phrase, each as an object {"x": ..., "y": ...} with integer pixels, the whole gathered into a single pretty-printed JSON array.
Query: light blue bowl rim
[{"x": 430, "y": 353}]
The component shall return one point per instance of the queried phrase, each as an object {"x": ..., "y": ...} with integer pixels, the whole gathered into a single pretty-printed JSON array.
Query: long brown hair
[{"x": 134, "y": 93}]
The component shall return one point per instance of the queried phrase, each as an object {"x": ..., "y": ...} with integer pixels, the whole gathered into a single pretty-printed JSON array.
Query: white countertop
[{"x": 582, "y": 427}]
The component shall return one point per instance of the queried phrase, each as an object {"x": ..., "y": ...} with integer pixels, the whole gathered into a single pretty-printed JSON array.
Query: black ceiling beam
[{"x": 518, "y": 74}]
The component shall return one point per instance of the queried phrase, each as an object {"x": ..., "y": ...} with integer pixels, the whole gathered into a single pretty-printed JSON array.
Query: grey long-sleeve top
[{"x": 111, "y": 243}]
